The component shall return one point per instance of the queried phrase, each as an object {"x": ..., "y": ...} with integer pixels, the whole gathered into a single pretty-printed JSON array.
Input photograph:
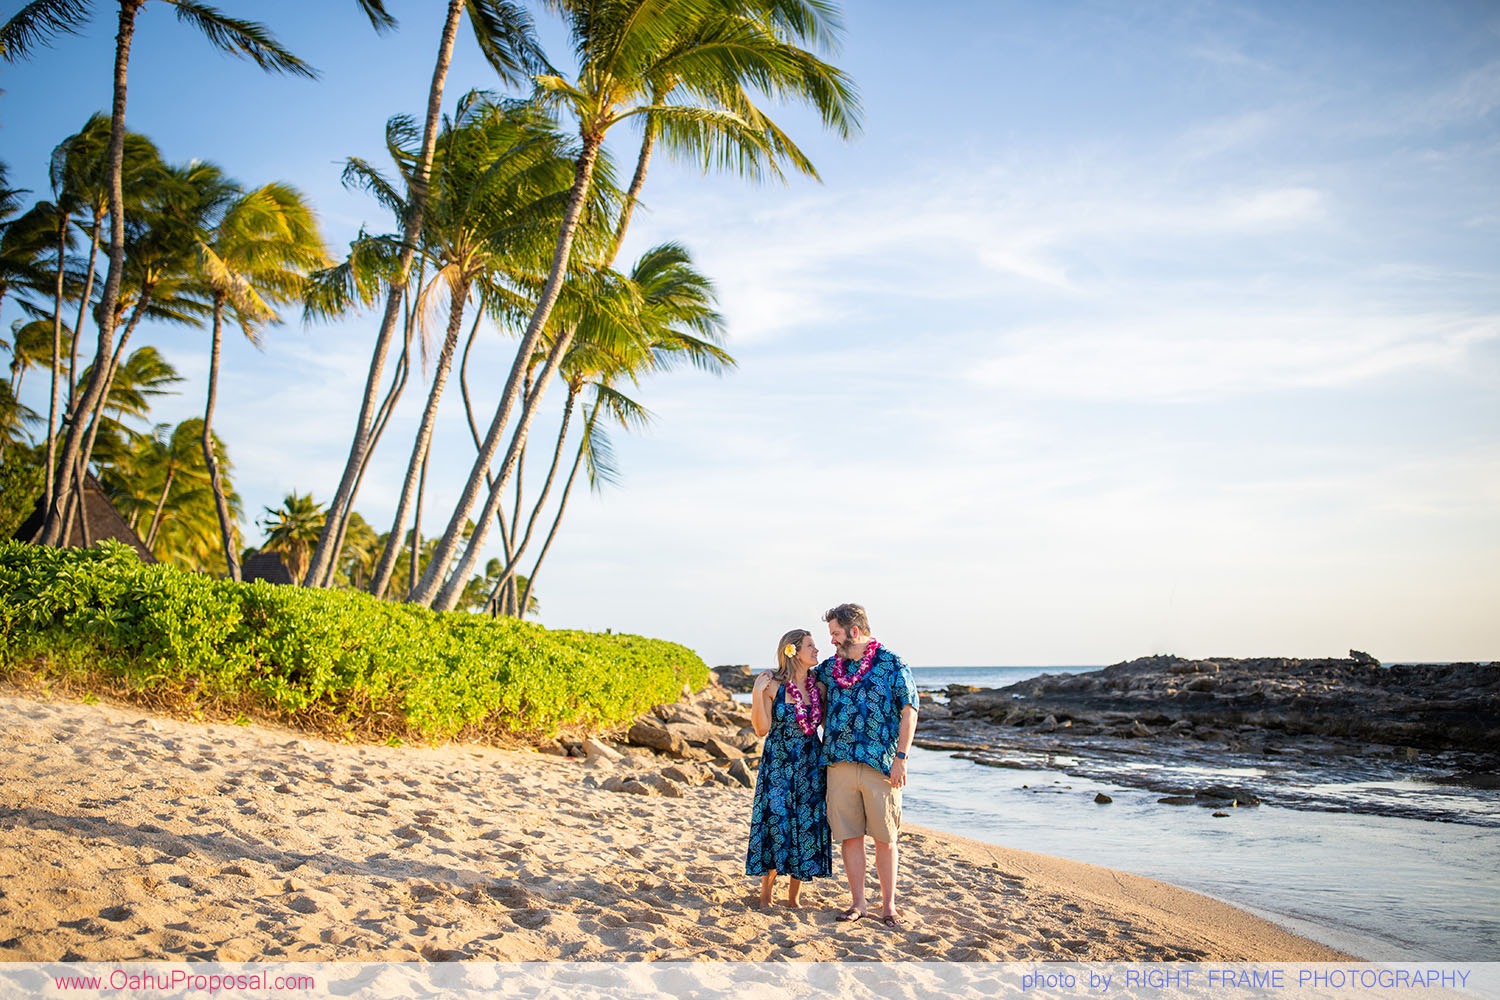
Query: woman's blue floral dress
[{"x": 789, "y": 818}]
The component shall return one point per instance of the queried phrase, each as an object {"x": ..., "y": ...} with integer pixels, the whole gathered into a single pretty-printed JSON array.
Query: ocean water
[{"x": 1382, "y": 887}]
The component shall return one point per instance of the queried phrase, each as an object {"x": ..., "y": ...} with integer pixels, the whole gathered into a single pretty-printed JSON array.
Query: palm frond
[
  {"x": 380, "y": 19},
  {"x": 249, "y": 39},
  {"x": 38, "y": 22},
  {"x": 507, "y": 37}
]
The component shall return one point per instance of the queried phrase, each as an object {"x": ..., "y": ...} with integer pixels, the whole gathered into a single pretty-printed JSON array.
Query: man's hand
[{"x": 898, "y": 773}]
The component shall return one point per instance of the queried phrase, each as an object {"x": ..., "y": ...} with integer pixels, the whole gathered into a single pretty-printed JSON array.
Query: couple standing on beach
[{"x": 843, "y": 784}]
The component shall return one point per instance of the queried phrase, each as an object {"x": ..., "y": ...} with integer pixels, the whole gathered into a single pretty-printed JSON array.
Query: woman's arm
[{"x": 761, "y": 698}]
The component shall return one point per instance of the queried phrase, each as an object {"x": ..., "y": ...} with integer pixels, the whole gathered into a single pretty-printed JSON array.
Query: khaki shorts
[{"x": 861, "y": 801}]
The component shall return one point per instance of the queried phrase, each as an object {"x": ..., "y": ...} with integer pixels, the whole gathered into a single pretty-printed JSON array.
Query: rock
[
  {"x": 1103, "y": 799},
  {"x": 687, "y": 715},
  {"x": 933, "y": 710},
  {"x": 1178, "y": 800},
  {"x": 594, "y": 748},
  {"x": 1363, "y": 659},
  {"x": 738, "y": 679},
  {"x": 740, "y": 772},
  {"x": 686, "y": 774},
  {"x": 1139, "y": 730},
  {"x": 634, "y": 786},
  {"x": 722, "y": 750},
  {"x": 645, "y": 733},
  {"x": 694, "y": 732},
  {"x": 1201, "y": 684},
  {"x": 662, "y": 785}
]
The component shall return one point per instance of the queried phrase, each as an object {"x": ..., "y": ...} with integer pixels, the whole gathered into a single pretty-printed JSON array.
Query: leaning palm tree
[
  {"x": 256, "y": 256},
  {"x": 666, "y": 317},
  {"x": 687, "y": 68},
  {"x": 500, "y": 177},
  {"x": 505, "y": 36},
  {"x": 34, "y": 25},
  {"x": 80, "y": 178},
  {"x": 157, "y": 281}
]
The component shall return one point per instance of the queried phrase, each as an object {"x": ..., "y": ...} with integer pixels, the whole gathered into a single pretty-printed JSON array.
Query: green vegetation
[{"x": 338, "y": 662}]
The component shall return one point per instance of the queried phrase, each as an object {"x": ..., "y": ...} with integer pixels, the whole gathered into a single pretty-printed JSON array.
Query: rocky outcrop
[
  {"x": 1441, "y": 707},
  {"x": 705, "y": 738}
]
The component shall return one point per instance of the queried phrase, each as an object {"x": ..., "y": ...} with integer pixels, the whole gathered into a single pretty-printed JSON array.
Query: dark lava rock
[{"x": 1432, "y": 707}]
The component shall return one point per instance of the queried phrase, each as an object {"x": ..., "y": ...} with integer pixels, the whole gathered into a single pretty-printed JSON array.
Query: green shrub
[{"x": 334, "y": 660}]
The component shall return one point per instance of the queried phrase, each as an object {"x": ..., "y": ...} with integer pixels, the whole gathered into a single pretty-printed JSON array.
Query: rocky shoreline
[
  {"x": 1295, "y": 730},
  {"x": 1446, "y": 707},
  {"x": 1140, "y": 723}
]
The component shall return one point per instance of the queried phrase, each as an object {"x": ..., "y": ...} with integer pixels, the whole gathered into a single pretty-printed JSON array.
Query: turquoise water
[{"x": 1385, "y": 888}]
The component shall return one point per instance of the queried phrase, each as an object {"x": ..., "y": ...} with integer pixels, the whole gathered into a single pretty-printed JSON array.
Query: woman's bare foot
[{"x": 767, "y": 885}]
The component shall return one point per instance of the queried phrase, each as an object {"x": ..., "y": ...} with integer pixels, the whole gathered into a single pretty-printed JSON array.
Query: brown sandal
[{"x": 850, "y": 915}]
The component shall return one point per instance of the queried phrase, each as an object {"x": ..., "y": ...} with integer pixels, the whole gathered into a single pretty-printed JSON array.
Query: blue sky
[{"x": 1123, "y": 329}]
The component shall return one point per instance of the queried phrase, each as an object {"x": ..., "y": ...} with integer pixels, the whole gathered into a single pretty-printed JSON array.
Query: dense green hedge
[{"x": 332, "y": 660}]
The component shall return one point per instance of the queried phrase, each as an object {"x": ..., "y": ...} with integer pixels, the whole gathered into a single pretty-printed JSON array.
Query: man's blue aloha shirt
[{"x": 862, "y": 723}]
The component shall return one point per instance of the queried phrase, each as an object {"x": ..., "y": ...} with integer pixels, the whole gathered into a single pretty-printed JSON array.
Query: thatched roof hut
[
  {"x": 266, "y": 566},
  {"x": 100, "y": 520}
]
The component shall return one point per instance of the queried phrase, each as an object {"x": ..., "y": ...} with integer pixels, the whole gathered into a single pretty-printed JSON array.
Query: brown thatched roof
[
  {"x": 266, "y": 566},
  {"x": 100, "y": 520}
]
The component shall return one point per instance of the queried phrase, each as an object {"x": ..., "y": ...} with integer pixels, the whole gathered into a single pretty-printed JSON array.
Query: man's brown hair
[{"x": 848, "y": 616}]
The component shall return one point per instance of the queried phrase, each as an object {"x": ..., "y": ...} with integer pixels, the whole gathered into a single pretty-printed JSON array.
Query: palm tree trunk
[
  {"x": 562, "y": 506},
  {"x": 62, "y": 251},
  {"x": 463, "y": 385},
  {"x": 221, "y": 503},
  {"x": 96, "y": 417},
  {"x": 428, "y": 590},
  {"x": 161, "y": 508},
  {"x": 382, "y": 420},
  {"x": 633, "y": 196},
  {"x": 83, "y": 306},
  {"x": 343, "y": 501},
  {"x": 416, "y": 524},
  {"x": 513, "y": 559},
  {"x": 52, "y": 532},
  {"x": 423, "y": 441}
]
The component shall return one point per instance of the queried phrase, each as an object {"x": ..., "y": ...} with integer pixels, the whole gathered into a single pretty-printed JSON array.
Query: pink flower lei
[
  {"x": 810, "y": 712},
  {"x": 843, "y": 678}
]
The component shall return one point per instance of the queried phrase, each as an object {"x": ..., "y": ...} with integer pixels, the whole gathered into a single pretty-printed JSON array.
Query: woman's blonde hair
[{"x": 783, "y": 671}]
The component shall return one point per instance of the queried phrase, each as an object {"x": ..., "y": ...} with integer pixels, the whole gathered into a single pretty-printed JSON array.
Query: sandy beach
[{"x": 126, "y": 836}]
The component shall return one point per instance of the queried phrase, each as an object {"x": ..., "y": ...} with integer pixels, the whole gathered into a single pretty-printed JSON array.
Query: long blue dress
[{"x": 789, "y": 817}]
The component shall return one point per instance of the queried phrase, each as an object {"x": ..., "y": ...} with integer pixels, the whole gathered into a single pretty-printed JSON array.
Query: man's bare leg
[
  {"x": 853, "y": 851},
  {"x": 887, "y": 860}
]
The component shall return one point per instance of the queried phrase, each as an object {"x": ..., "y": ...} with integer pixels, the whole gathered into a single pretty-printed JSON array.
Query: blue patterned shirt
[{"x": 862, "y": 723}]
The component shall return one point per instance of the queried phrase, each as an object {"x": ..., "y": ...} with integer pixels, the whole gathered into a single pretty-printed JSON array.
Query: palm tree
[
  {"x": 256, "y": 256},
  {"x": 667, "y": 318},
  {"x": 686, "y": 67},
  {"x": 505, "y": 36},
  {"x": 500, "y": 175},
  {"x": 79, "y": 175},
  {"x": 34, "y": 25},
  {"x": 159, "y": 280},
  {"x": 293, "y": 529},
  {"x": 160, "y": 484}
]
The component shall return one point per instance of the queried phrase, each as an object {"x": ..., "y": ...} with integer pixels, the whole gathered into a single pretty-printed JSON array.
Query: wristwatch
[{"x": 900, "y": 755}]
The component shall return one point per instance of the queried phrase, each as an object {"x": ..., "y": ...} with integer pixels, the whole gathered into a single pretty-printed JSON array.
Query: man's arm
[{"x": 907, "y": 733}]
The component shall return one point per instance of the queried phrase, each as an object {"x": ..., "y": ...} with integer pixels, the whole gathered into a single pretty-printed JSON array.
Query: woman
[{"x": 789, "y": 818}]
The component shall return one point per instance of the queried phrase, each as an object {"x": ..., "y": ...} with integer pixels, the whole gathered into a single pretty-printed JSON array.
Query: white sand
[{"x": 131, "y": 837}]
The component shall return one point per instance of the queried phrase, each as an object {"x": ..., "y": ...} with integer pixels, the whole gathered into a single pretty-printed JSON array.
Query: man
[{"x": 868, "y": 725}]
